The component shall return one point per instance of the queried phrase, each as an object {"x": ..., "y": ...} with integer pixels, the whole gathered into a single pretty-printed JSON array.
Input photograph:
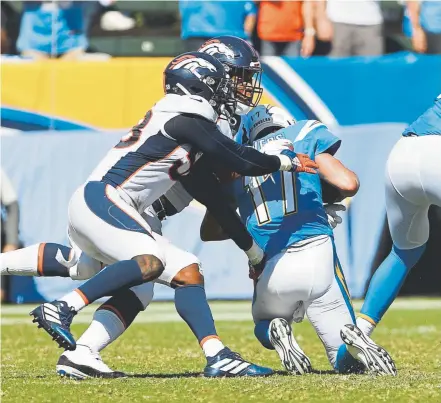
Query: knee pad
[
  {"x": 144, "y": 292},
  {"x": 85, "y": 268}
]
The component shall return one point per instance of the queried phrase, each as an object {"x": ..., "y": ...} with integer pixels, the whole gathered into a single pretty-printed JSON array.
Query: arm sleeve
[
  {"x": 206, "y": 137},
  {"x": 202, "y": 184}
]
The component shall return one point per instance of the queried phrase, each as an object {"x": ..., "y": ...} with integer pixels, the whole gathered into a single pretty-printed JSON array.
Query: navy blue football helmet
[
  {"x": 242, "y": 63},
  {"x": 196, "y": 73}
]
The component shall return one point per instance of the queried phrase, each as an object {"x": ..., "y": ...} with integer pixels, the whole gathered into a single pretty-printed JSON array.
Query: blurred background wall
[{"x": 70, "y": 90}]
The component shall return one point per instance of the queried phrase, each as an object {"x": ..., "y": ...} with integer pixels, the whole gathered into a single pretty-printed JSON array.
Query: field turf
[{"x": 165, "y": 362}]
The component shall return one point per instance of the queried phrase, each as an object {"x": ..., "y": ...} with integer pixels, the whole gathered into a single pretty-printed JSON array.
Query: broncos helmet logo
[
  {"x": 214, "y": 47},
  {"x": 192, "y": 63}
]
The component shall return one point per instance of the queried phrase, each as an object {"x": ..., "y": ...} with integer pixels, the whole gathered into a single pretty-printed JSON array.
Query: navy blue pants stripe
[{"x": 99, "y": 203}]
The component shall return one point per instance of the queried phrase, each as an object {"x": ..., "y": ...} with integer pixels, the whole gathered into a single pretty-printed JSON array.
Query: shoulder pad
[
  {"x": 192, "y": 104},
  {"x": 307, "y": 126}
]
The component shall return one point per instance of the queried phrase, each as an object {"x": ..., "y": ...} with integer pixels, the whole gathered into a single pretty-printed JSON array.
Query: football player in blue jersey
[
  {"x": 413, "y": 184},
  {"x": 285, "y": 215}
]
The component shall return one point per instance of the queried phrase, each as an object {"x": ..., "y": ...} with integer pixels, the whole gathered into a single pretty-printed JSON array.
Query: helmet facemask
[
  {"x": 223, "y": 100},
  {"x": 247, "y": 81}
]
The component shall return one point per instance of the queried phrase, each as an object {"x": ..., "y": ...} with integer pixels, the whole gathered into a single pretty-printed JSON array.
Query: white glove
[
  {"x": 333, "y": 218},
  {"x": 275, "y": 147}
]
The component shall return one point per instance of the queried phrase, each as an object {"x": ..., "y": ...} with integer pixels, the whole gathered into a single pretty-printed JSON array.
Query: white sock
[
  {"x": 74, "y": 299},
  {"x": 22, "y": 262},
  {"x": 104, "y": 329},
  {"x": 365, "y": 326},
  {"x": 212, "y": 346}
]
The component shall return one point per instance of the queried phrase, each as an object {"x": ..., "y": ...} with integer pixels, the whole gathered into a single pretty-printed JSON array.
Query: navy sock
[
  {"x": 345, "y": 363},
  {"x": 191, "y": 304},
  {"x": 123, "y": 274},
  {"x": 261, "y": 331},
  {"x": 48, "y": 265},
  {"x": 388, "y": 280},
  {"x": 124, "y": 304}
]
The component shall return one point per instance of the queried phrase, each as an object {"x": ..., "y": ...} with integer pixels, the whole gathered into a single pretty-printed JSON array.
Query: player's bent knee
[
  {"x": 151, "y": 267},
  {"x": 190, "y": 275},
  {"x": 144, "y": 293}
]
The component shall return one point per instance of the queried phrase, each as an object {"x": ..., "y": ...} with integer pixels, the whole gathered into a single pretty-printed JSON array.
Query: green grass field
[{"x": 165, "y": 362}]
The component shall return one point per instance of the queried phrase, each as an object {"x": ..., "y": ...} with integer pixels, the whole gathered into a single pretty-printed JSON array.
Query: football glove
[
  {"x": 333, "y": 218},
  {"x": 296, "y": 162},
  {"x": 256, "y": 270}
]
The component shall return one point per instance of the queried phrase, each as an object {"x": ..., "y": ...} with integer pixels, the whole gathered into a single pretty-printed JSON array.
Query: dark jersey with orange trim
[{"x": 165, "y": 145}]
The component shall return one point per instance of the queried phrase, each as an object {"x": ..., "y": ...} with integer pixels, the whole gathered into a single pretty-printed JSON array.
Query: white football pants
[
  {"x": 413, "y": 184},
  {"x": 309, "y": 280}
]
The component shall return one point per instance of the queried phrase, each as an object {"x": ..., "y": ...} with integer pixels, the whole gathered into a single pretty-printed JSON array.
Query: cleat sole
[
  {"x": 374, "y": 357},
  {"x": 291, "y": 355}
]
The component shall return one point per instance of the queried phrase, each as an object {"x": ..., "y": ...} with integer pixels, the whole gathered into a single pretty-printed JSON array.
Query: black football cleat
[{"x": 55, "y": 318}]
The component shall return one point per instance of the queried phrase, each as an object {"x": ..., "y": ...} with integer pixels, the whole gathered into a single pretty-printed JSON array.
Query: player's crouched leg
[
  {"x": 192, "y": 305},
  {"x": 109, "y": 322}
]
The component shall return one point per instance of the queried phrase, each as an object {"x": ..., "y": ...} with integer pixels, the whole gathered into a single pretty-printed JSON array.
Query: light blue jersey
[
  {"x": 284, "y": 208},
  {"x": 240, "y": 129},
  {"x": 429, "y": 123}
]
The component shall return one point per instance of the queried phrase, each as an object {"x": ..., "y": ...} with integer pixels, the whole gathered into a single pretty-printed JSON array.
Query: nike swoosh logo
[{"x": 195, "y": 99}]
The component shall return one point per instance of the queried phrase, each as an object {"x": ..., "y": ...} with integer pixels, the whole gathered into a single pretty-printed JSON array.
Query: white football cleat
[
  {"x": 291, "y": 355},
  {"x": 83, "y": 363},
  {"x": 374, "y": 357}
]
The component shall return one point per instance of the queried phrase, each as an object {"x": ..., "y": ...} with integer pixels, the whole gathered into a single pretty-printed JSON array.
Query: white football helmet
[{"x": 264, "y": 119}]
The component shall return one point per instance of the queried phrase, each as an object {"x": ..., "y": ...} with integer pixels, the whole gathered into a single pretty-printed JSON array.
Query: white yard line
[{"x": 222, "y": 311}]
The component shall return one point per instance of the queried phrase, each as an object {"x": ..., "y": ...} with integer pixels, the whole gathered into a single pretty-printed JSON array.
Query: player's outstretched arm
[
  {"x": 205, "y": 136},
  {"x": 332, "y": 171}
]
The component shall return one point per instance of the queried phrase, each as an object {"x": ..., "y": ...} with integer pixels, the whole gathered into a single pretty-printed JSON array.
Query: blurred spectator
[
  {"x": 9, "y": 202},
  {"x": 422, "y": 22},
  {"x": 202, "y": 20},
  {"x": 110, "y": 18},
  {"x": 4, "y": 34},
  {"x": 9, "y": 222},
  {"x": 52, "y": 29},
  {"x": 356, "y": 27},
  {"x": 286, "y": 28}
]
